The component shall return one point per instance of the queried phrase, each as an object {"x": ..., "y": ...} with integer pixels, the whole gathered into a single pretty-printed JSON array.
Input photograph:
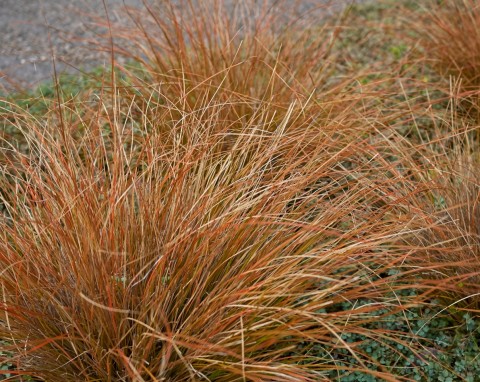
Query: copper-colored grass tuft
[
  {"x": 442, "y": 167},
  {"x": 253, "y": 52},
  {"x": 172, "y": 257},
  {"x": 449, "y": 34},
  {"x": 205, "y": 215},
  {"x": 448, "y": 239}
]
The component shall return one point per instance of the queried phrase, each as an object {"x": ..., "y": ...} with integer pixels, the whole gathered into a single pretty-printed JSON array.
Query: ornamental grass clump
[
  {"x": 221, "y": 212},
  {"x": 244, "y": 50},
  {"x": 448, "y": 235},
  {"x": 447, "y": 241},
  {"x": 173, "y": 256},
  {"x": 449, "y": 34}
]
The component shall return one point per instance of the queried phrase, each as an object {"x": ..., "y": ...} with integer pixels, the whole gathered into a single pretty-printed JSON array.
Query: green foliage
[
  {"x": 40, "y": 100},
  {"x": 450, "y": 348}
]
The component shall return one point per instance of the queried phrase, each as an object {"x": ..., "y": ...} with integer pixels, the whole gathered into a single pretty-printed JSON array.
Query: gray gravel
[{"x": 34, "y": 31}]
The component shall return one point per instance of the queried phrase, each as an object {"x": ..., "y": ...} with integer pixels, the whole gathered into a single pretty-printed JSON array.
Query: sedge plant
[{"x": 203, "y": 214}]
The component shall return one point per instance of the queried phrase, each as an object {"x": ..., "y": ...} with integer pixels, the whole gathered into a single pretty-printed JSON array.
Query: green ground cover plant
[{"x": 257, "y": 195}]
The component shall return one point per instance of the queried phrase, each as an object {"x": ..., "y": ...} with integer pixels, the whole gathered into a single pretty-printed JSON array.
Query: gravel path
[{"x": 31, "y": 30}]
